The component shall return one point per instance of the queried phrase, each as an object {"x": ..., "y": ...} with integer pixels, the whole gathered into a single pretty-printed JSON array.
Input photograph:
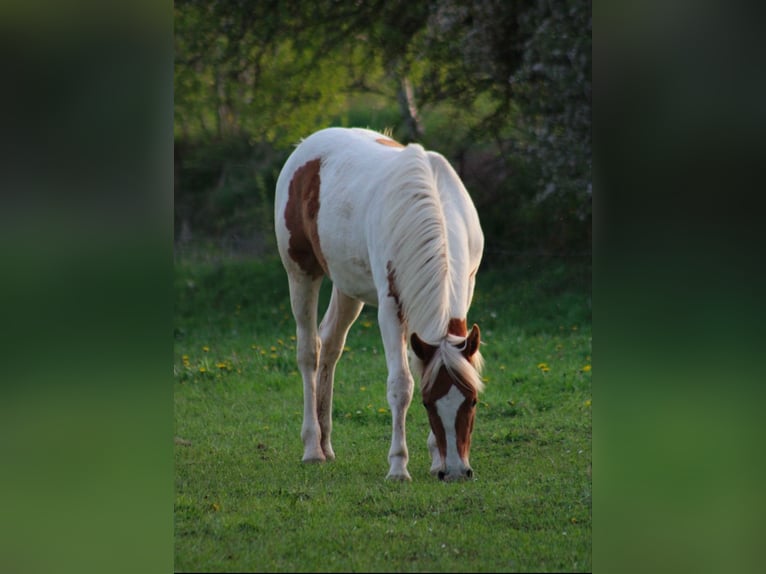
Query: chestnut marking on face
[
  {"x": 301, "y": 215},
  {"x": 450, "y": 405},
  {"x": 450, "y": 387}
]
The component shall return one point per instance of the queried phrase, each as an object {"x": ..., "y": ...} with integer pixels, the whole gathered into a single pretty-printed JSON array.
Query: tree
[{"x": 504, "y": 84}]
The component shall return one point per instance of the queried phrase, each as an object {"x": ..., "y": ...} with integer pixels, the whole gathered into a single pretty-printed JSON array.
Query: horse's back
[
  {"x": 325, "y": 205},
  {"x": 333, "y": 195},
  {"x": 347, "y": 155},
  {"x": 355, "y": 145}
]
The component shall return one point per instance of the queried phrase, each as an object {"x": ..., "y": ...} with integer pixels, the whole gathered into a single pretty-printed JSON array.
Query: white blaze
[{"x": 447, "y": 407}]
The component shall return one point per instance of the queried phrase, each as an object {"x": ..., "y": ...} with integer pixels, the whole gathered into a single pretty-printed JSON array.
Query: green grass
[{"x": 245, "y": 502}]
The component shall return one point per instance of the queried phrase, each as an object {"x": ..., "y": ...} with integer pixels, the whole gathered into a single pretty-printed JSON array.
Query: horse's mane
[
  {"x": 448, "y": 355},
  {"x": 414, "y": 221}
]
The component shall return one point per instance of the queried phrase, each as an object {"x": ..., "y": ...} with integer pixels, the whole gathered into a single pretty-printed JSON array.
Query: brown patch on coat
[
  {"x": 389, "y": 142},
  {"x": 393, "y": 292},
  {"x": 457, "y": 327},
  {"x": 301, "y": 215}
]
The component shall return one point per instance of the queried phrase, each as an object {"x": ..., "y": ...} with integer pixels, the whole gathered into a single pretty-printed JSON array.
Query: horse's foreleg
[
  {"x": 436, "y": 457},
  {"x": 399, "y": 385},
  {"x": 340, "y": 315},
  {"x": 304, "y": 294}
]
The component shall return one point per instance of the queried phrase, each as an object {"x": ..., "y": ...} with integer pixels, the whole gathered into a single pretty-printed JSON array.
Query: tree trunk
[{"x": 409, "y": 109}]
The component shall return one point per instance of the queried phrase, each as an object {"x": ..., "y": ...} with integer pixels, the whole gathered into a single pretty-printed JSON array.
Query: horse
[{"x": 391, "y": 226}]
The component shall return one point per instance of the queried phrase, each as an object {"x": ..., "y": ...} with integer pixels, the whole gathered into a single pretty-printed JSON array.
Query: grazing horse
[{"x": 391, "y": 226}]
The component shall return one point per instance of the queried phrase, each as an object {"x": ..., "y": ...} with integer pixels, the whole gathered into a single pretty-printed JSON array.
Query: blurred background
[
  {"x": 88, "y": 230},
  {"x": 501, "y": 88}
]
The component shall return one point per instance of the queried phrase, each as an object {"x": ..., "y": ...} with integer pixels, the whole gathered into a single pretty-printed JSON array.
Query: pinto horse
[{"x": 391, "y": 226}]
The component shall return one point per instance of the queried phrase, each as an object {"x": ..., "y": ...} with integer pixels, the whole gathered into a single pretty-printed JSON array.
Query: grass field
[{"x": 245, "y": 502}]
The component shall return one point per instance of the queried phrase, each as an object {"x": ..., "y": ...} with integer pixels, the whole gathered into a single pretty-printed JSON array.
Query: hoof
[
  {"x": 313, "y": 458},
  {"x": 399, "y": 477}
]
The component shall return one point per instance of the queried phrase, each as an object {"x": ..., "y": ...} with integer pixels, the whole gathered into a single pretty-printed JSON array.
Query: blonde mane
[{"x": 414, "y": 222}]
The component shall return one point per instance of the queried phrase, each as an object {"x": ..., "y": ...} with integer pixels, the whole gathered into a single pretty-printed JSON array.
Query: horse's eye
[{"x": 473, "y": 403}]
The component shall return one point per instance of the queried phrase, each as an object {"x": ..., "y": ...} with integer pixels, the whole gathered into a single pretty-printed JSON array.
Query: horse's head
[{"x": 450, "y": 387}]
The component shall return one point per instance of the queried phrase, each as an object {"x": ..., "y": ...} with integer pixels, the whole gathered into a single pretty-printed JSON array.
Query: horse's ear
[
  {"x": 472, "y": 342},
  {"x": 422, "y": 350}
]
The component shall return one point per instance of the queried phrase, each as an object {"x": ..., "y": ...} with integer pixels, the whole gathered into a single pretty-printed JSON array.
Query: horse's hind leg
[
  {"x": 340, "y": 315},
  {"x": 304, "y": 296}
]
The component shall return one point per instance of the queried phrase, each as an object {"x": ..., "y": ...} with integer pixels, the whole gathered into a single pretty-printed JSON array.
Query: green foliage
[
  {"x": 225, "y": 190},
  {"x": 553, "y": 85},
  {"x": 502, "y": 89},
  {"x": 245, "y": 502},
  {"x": 268, "y": 70}
]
